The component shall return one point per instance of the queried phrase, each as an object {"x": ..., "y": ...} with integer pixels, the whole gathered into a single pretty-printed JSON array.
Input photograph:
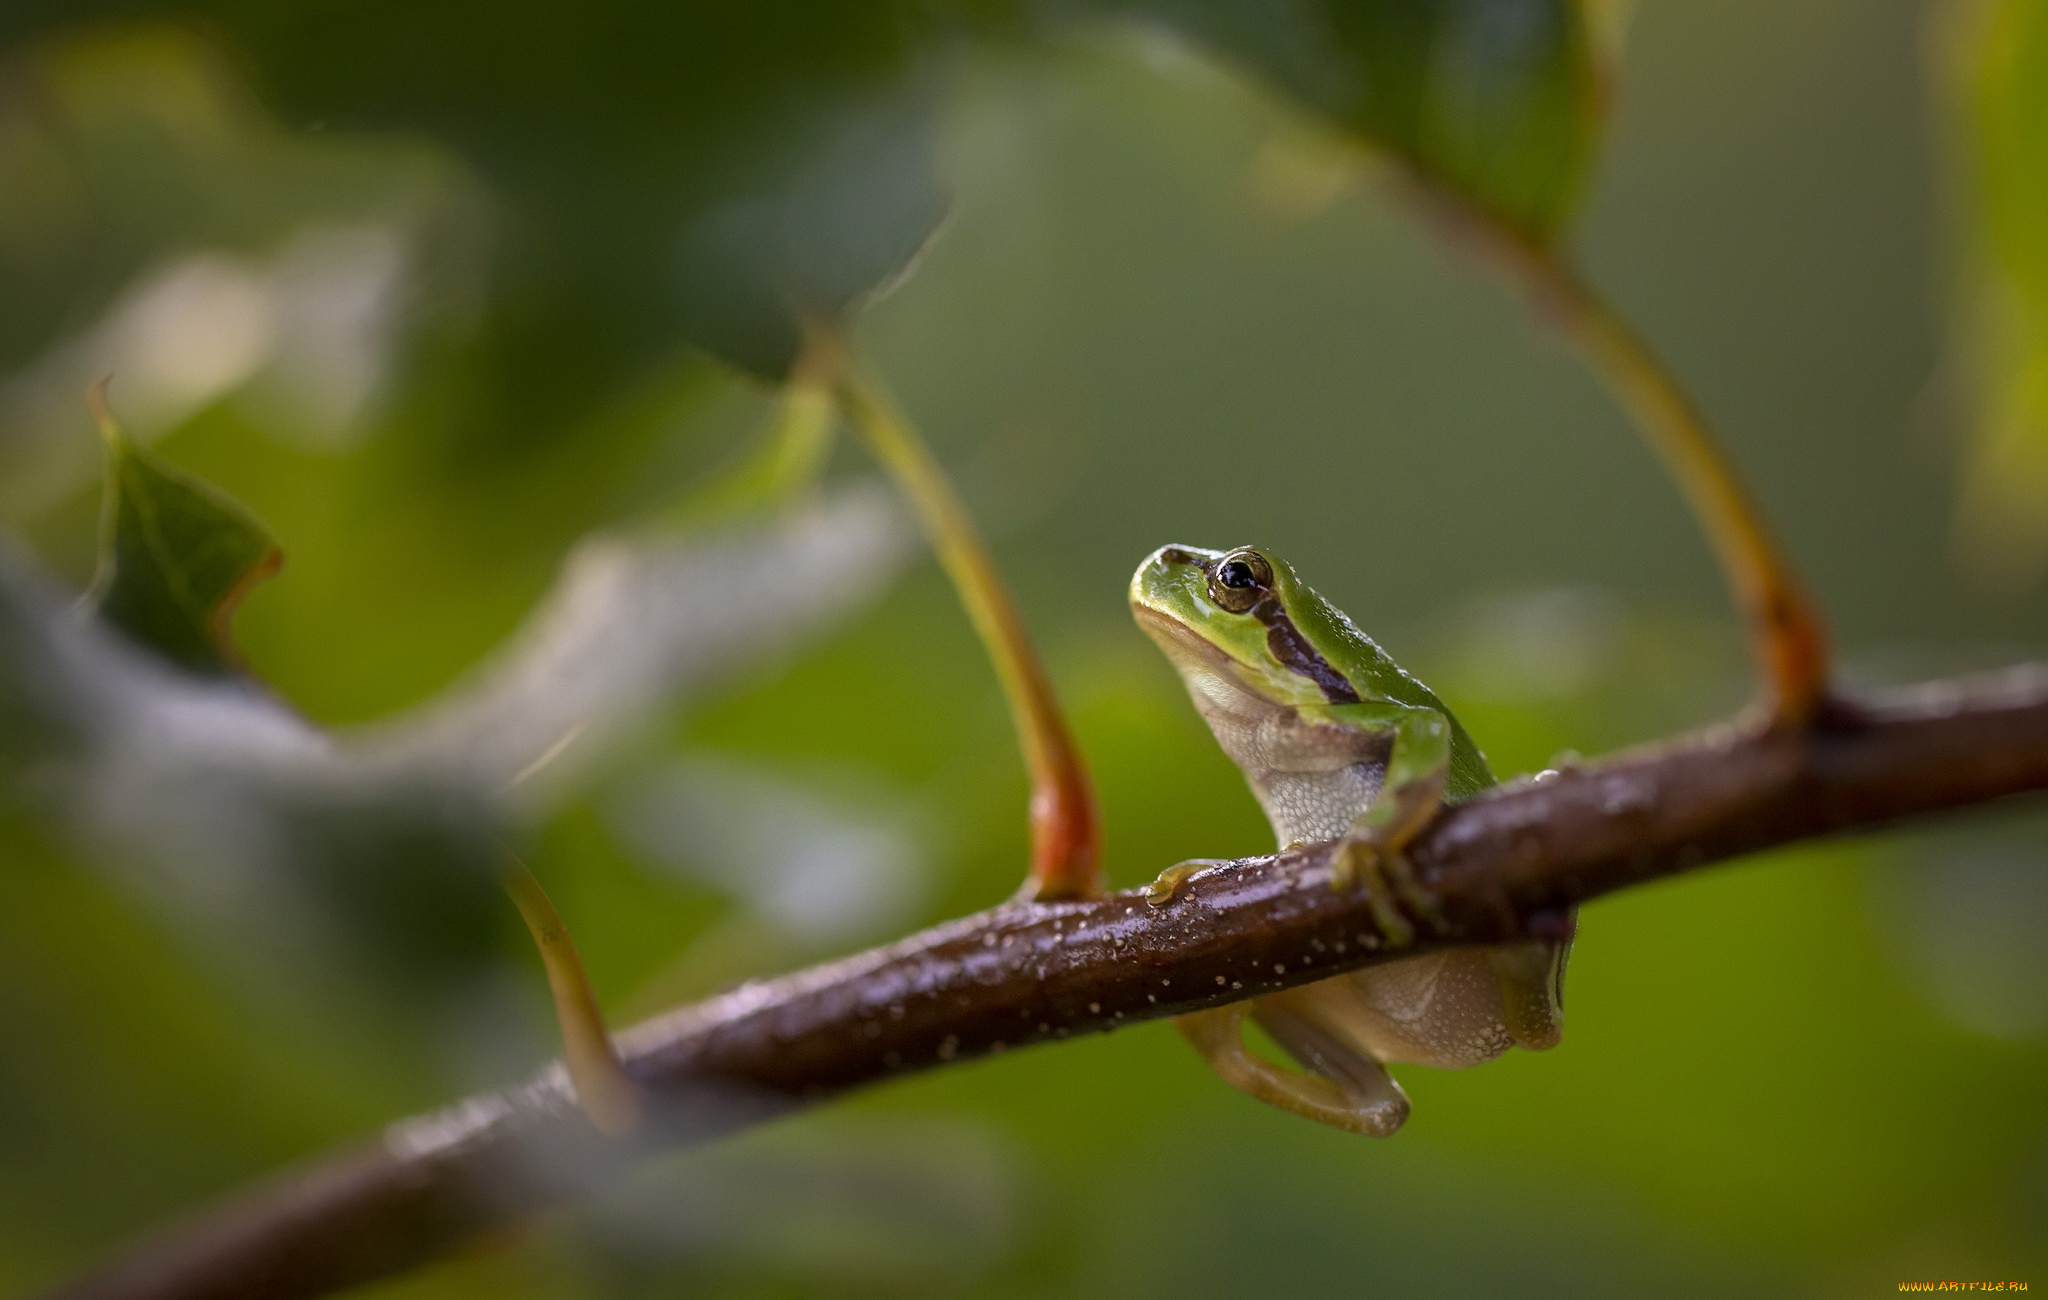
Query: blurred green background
[{"x": 427, "y": 343}]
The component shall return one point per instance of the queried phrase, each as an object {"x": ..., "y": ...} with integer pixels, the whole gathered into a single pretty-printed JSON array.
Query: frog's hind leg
[
  {"x": 1531, "y": 975},
  {"x": 1345, "y": 1089}
]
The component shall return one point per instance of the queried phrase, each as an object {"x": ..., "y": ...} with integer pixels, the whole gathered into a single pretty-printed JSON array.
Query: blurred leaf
[
  {"x": 207, "y": 796},
  {"x": 712, "y": 172},
  {"x": 2004, "y": 509},
  {"x": 1967, "y": 908},
  {"x": 631, "y": 625},
  {"x": 176, "y": 556},
  {"x": 159, "y": 226},
  {"x": 831, "y": 216},
  {"x": 824, "y": 867},
  {"x": 45, "y": 719},
  {"x": 1495, "y": 101},
  {"x": 131, "y": 146},
  {"x": 299, "y": 852},
  {"x": 863, "y": 1205},
  {"x": 693, "y": 170}
]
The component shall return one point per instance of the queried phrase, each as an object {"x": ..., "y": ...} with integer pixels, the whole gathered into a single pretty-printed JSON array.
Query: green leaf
[
  {"x": 710, "y": 173},
  {"x": 176, "y": 556},
  {"x": 293, "y": 852},
  {"x": 2004, "y": 509},
  {"x": 1496, "y": 102}
]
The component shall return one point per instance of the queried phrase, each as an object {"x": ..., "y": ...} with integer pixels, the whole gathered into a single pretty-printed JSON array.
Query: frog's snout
[
  {"x": 1165, "y": 568},
  {"x": 1175, "y": 557}
]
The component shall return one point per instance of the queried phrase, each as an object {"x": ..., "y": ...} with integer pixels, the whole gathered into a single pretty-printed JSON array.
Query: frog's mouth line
[
  {"x": 1286, "y": 642},
  {"x": 1218, "y": 683},
  {"x": 1165, "y": 628}
]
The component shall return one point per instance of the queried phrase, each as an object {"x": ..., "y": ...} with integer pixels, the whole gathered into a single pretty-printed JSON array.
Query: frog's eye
[{"x": 1240, "y": 580}]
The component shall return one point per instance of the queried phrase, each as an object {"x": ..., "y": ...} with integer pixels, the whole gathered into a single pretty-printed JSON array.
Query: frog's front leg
[
  {"x": 1411, "y": 792},
  {"x": 1344, "y": 1088}
]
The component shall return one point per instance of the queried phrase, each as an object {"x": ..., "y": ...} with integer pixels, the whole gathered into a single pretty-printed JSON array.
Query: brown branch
[{"x": 1507, "y": 864}]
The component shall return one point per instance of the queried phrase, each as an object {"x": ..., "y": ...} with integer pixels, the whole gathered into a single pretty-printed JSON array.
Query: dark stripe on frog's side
[{"x": 1295, "y": 653}]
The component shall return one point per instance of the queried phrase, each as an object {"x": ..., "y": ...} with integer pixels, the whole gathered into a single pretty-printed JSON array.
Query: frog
[{"x": 1339, "y": 744}]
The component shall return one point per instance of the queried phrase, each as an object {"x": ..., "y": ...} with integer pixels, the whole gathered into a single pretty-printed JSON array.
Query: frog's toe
[
  {"x": 1343, "y": 870},
  {"x": 1419, "y": 900},
  {"x": 1361, "y": 861},
  {"x": 1163, "y": 889}
]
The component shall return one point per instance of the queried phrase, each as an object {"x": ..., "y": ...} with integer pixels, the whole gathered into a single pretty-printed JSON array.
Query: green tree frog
[{"x": 1338, "y": 743}]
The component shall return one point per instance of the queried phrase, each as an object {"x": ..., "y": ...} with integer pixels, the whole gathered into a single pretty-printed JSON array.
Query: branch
[{"x": 1508, "y": 864}]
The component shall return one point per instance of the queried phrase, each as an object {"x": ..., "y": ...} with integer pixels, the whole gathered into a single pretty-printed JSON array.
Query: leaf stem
[
  {"x": 1787, "y": 632},
  {"x": 1065, "y": 839},
  {"x": 784, "y": 464}
]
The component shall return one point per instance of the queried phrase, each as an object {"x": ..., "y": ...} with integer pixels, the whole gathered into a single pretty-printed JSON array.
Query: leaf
[
  {"x": 1497, "y": 102},
  {"x": 708, "y": 170},
  {"x": 285, "y": 856},
  {"x": 711, "y": 172},
  {"x": 838, "y": 211},
  {"x": 2003, "y": 519},
  {"x": 290, "y": 854},
  {"x": 176, "y": 555},
  {"x": 634, "y": 623}
]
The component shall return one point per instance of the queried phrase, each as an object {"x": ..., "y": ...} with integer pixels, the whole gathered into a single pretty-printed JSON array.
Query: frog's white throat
[{"x": 1313, "y": 777}]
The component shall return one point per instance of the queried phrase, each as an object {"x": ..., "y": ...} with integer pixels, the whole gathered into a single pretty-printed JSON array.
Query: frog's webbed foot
[
  {"x": 1358, "y": 861},
  {"x": 1343, "y": 1087},
  {"x": 1401, "y": 873},
  {"x": 1531, "y": 975},
  {"x": 1388, "y": 876}
]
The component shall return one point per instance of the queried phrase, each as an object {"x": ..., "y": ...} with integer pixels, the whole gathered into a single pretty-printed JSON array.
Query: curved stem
[
  {"x": 604, "y": 1092},
  {"x": 785, "y": 463},
  {"x": 1065, "y": 840},
  {"x": 1788, "y": 636}
]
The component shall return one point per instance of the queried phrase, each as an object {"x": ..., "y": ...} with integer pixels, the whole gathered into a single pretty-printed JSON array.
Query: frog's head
[{"x": 1238, "y": 620}]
